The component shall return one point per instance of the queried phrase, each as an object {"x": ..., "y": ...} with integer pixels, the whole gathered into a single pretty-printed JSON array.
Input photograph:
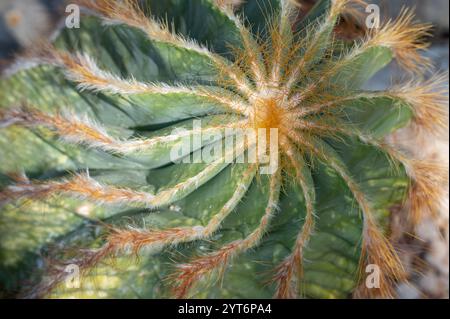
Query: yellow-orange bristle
[
  {"x": 229, "y": 3},
  {"x": 84, "y": 71},
  {"x": 79, "y": 68},
  {"x": 289, "y": 274},
  {"x": 27, "y": 191},
  {"x": 406, "y": 38},
  {"x": 429, "y": 101},
  {"x": 56, "y": 272},
  {"x": 80, "y": 186},
  {"x": 351, "y": 25},
  {"x": 129, "y": 12},
  {"x": 124, "y": 10},
  {"x": 187, "y": 275},
  {"x": 135, "y": 240},
  {"x": 378, "y": 251},
  {"x": 427, "y": 188},
  {"x": 339, "y": 7},
  {"x": 258, "y": 76},
  {"x": 72, "y": 129},
  {"x": 286, "y": 289}
]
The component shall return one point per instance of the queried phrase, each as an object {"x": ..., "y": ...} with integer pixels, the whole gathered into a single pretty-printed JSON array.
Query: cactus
[{"x": 88, "y": 133}]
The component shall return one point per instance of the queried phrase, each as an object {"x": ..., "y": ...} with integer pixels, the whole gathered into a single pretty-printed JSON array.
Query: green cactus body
[{"x": 91, "y": 125}]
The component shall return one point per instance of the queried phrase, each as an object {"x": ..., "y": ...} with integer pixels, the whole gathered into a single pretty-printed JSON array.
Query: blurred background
[{"x": 24, "y": 22}]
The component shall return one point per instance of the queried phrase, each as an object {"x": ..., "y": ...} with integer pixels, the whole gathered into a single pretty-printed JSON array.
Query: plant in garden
[{"x": 91, "y": 127}]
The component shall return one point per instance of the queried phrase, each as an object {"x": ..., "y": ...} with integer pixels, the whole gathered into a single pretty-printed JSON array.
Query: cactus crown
[{"x": 109, "y": 101}]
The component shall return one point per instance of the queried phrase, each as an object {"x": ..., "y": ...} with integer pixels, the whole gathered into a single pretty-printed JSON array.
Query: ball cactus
[{"x": 89, "y": 130}]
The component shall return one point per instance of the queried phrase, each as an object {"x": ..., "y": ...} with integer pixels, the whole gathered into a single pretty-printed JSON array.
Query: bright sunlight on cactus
[{"x": 89, "y": 177}]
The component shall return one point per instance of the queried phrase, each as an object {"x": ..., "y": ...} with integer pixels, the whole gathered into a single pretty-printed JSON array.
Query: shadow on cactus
[{"x": 90, "y": 128}]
